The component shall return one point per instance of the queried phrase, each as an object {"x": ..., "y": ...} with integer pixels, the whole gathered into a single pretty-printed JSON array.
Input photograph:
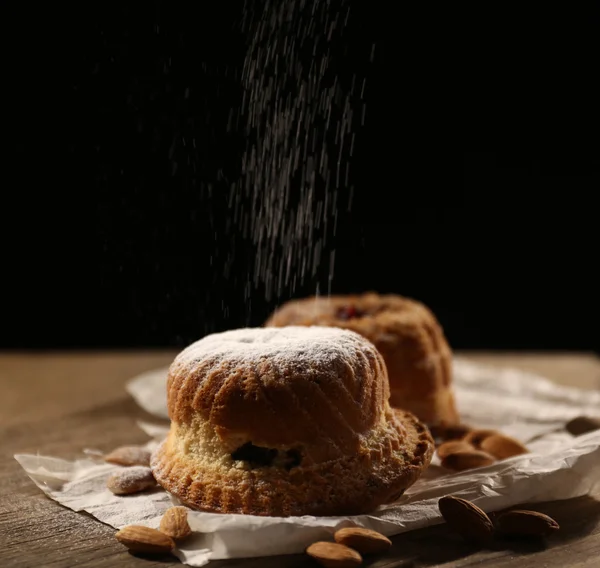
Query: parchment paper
[{"x": 525, "y": 406}]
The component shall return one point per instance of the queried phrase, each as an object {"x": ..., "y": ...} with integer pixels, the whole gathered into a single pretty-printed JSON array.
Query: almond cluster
[
  {"x": 136, "y": 475},
  {"x": 351, "y": 543},
  {"x": 174, "y": 527},
  {"x": 474, "y": 525},
  {"x": 462, "y": 448}
]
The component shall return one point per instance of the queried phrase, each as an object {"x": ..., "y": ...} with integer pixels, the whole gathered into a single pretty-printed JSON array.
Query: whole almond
[
  {"x": 475, "y": 437},
  {"x": 466, "y": 518},
  {"x": 526, "y": 523},
  {"x": 452, "y": 446},
  {"x": 334, "y": 555},
  {"x": 174, "y": 523},
  {"x": 444, "y": 432},
  {"x": 362, "y": 540},
  {"x": 144, "y": 539},
  {"x": 129, "y": 455},
  {"x": 502, "y": 447},
  {"x": 463, "y": 460},
  {"x": 131, "y": 480},
  {"x": 582, "y": 425},
  {"x": 456, "y": 432}
]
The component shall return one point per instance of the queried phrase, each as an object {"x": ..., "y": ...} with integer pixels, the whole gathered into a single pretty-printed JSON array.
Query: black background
[{"x": 475, "y": 178}]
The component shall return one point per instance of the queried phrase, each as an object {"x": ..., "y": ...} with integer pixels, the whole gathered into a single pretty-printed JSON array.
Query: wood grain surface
[{"x": 59, "y": 403}]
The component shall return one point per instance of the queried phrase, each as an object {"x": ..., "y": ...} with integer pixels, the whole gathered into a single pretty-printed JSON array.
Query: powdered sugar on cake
[{"x": 285, "y": 345}]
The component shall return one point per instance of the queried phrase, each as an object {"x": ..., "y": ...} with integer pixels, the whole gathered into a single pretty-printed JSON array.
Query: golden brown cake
[
  {"x": 290, "y": 421},
  {"x": 415, "y": 351}
]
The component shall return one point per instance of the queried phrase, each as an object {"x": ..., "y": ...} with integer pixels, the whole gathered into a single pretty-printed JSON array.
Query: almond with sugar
[
  {"x": 582, "y": 425},
  {"x": 463, "y": 460},
  {"x": 174, "y": 523},
  {"x": 129, "y": 455},
  {"x": 475, "y": 437},
  {"x": 362, "y": 540},
  {"x": 144, "y": 539},
  {"x": 453, "y": 446},
  {"x": 334, "y": 555},
  {"x": 502, "y": 447},
  {"x": 131, "y": 480},
  {"x": 466, "y": 518},
  {"x": 526, "y": 523}
]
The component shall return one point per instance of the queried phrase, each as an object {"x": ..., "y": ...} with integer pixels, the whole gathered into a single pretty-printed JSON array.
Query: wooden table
[{"x": 59, "y": 403}]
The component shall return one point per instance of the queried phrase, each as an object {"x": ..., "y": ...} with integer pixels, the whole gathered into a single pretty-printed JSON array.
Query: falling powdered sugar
[{"x": 299, "y": 118}]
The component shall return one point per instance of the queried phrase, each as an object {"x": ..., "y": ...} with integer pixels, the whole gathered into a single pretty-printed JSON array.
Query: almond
[
  {"x": 144, "y": 539},
  {"x": 526, "y": 523},
  {"x": 444, "y": 432},
  {"x": 582, "y": 425},
  {"x": 456, "y": 432},
  {"x": 131, "y": 480},
  {"x": 463, "y": 460},
  {"x": 362, "y": 540},
  {"x": 466, "y": 518},
  {"x": 475, "y": 437},
  {"x": 129, "y": 455},
  {"x": 502, "y": 447},
  {"x": 174, "y": 523},
  {"x": 452, "y": 446},
  {"x": 334, "y": 555}
]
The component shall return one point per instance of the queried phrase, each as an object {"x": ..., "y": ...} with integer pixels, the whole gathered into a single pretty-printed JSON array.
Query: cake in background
[{"x": 406, "y": 333}]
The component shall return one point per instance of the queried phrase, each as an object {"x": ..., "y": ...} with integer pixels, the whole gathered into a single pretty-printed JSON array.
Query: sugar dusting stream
[{"x": 299, "y": 118}]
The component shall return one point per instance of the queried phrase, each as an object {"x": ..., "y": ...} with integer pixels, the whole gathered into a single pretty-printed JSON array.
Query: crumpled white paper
[{"x": 523, "y": 405}]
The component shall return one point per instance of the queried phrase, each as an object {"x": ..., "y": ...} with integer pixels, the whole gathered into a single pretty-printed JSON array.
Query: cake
[
  {"x": 406, "y": 333},
  {"x": 286, "y": 421}
]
